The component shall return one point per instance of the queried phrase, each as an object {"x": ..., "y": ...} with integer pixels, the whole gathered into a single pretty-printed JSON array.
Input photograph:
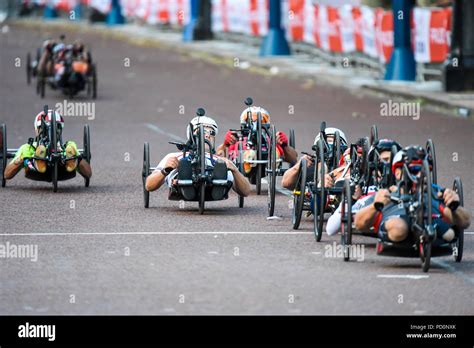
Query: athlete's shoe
[
  {"x": 71, "y": 151},
  {"x": 40, "y": 165}
]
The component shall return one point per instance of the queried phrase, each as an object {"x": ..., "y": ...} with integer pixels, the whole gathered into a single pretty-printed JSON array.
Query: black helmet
[{"x": 386, "y": 145}]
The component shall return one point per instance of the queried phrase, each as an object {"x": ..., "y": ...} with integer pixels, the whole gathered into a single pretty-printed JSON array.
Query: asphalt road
[{"x": 101, "y": 252}]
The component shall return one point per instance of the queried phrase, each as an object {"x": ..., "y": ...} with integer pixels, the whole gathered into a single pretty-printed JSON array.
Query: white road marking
[
  {"x": 468, "y": 232},
  {"x": 162, "y": 132},
  {"x": 316, "y": 252},
  {"x": 403, "y": 276},
  {"x": 213, "y": 252},
  {"x": 45, "y": 234}
]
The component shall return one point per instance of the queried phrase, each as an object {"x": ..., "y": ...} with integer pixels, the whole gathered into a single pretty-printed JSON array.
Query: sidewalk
[{"x": 244, "y": 54}]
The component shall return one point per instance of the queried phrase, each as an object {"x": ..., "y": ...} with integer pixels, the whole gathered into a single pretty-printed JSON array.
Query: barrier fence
[{"x": 343, "y": 29}]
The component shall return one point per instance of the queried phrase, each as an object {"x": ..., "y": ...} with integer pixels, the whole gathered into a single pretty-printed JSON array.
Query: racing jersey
[{"x": 179, "y": 156}]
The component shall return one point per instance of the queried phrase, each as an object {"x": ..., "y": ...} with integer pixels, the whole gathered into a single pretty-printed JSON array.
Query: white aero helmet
[
  {"x": 205, "y": 121},
  {"x": 332, "y": 131},
  {"x": 59, "y": 119}
]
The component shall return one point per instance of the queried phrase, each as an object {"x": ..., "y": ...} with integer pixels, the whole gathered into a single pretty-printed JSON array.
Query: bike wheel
[
  {"x": 346, "y": 219},
  {"x": 94, "y": 81},
  {"x": 458, "y": 246},
  {"x": 319, "y": 194},
  {"x": 53, "y": 146},
  {"x": 374, "y": 134},
  {"x": 87, "y": 150},
  {"x": 202, "y": 163},
  {"x": 3, "y": 144},
  {"x": 272, "y": 172},
  {"x": 258, "y": 168},
  {"x": 299, "y": 195},
  {"x": 145, "y": 173},
  {"x": 292, "y": 140},
  {"x": 431, "y": 154},
  {"x": 41, "y": 86},
  {"x": 336, "y": 150},
  {"x": 241, "y": 169},
  {"x": 425, "y": 216}
]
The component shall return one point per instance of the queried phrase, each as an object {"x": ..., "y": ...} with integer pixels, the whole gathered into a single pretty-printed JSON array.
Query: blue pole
[
  {"x": 402, "y": 65},
  {"x": 115, "y": 16},
  {"x": 275, "y": 44},
  {"x": 49, "y": 11},
  {"x": 77, "y": 11},
  {"x": 188, "y": 32}
]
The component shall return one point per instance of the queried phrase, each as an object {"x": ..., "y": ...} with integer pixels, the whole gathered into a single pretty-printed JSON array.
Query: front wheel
[
  {"x": 299, "y": 195},
  {"x": 272, "y": 172},
  {"x": 145, "y": 173},
  {"x": 346, "y": 219},
  {"x": 3, "y": 144},
  {"x": 458, "y": 246},
  {"x": 87, "y": 150}
]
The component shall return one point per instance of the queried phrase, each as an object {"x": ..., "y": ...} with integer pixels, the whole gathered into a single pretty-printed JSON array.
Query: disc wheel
[
  {"x": 319, "y": 193},
  {"x": 336, "y": 150},
  {"x": 87, "y": 150},
  {"x": 94, "y": 81},
  {"x": 241, "y": 169},
  {"x": 425, "y": 216},
  {"x": 272, "y": 172},
  {"x": 458, "y": 246},
  {"x": 298, "y": 195},
  {"x": 145, "y": 173},
  {"x": 3, "y": 144},
  {"x": 258, "y": 168},
  {"x": 346, "y": 219},
  {"x": 431, "y": 155},
  {"x": 202, "y": 163}
]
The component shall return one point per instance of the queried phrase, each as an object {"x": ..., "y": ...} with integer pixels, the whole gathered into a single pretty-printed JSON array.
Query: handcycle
[
  {"x": 50, "y": 135},
  {"x": 202, "y": 179},
  {"x": 262, "y": 138},
  {"x": 418, "y": 206},
  {"x": 312, "y": 195},
  {"x": 85, "y": 77}
]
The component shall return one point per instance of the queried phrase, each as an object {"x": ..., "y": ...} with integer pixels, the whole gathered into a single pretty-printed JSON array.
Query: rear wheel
[
  {"x": 87, "y": 150},
  {"x": 336, "y": 150},
  {"x": 319, "y": 194},
  {"x": 53, "y": 151},
  {"x": 346, "y": 219},
  {"x": 202, "y": 162},
  {"x": 241, "y": 169},
  {"x": 41, "y": 86},
  {"x": 94, "y": 81},
  {"x": 292, "y": 140},
  {"x": 374, "y": 134},
  {"x": 298, "y": 195},
  {"x": 145, "y": 173},
  {"x": 271, "y": 172},
  {"x": 258, "y": 168},
  {"x": 459, "y": 244},
  {"x": 3, "y": 144},
  {"x": 425, "y": 216},
  {"x": 431, "y": 154}
]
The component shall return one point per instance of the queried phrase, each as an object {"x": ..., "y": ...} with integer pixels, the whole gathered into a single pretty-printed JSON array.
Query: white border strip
[{"x": 45, "y": 234}]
